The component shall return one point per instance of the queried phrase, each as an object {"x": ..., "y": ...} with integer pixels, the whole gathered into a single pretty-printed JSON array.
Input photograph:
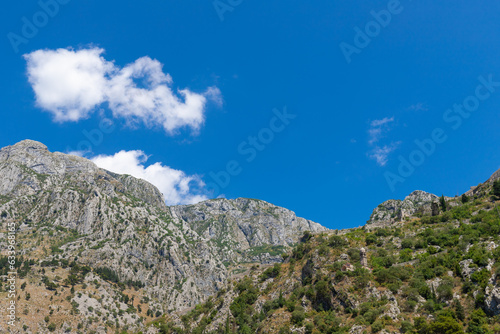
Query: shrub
[
  {"x": 323, "y": 250},
  {"x": 406, "y": 255},
  {"x": 298, "y": 316},
  {"x": 337, "y": 242},
  {"x": 354, "y": 254},
  {"x": 445, "y": 290},
  {"x": 371, "y": 239},
  {"x": 407, "y": 243},
  {"x": 481, "y": 277},
  {"x": 107, "y": 274},
  {"x": 377, "y": 326},
  {"x": 477, "y": 322},
  {"x": 445, "y": 324},
  {"x": 309, "y": 328},
  {"x": 271, "y": 272},
  {"x": 406, "y": 326}
]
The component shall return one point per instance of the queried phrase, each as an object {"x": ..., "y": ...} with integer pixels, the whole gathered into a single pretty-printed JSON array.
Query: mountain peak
[
  {"x": 395, "y": 210},
  {"x": 30, "y": 144}
]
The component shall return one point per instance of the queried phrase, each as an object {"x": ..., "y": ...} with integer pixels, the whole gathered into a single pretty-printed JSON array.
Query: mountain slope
[
  {"x": 241, "y": 227},
  {"x": 427, "y": 274},
  {"x": 108, "y": 251}
]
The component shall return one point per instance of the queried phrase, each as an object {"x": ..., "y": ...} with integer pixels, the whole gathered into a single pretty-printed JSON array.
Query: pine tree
[
  {"x": 442, "y": 203},
  {"x": 459, "y": 310},
  {"x": 465, "y": 198}
]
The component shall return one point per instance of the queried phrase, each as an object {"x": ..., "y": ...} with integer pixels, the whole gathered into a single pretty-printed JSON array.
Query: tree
[
  {"x": 465, "y": 198},
  {"x": 337, "y": 242},
  {"x": 496, "y": 188},
  {"x": 459, "y": 310},
  {"x": 445, "y": 325},
  {"x": 442, "y": 203},
  {"x": 371, "y": 239},
  {"x": 477, "y": 322}
]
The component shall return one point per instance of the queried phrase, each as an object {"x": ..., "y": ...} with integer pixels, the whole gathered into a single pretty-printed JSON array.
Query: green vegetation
[
  {"x": 271, "y": 272},
  {"x": 326, "y": 292},
  {"x": 272, "y": 250},
  {"x": 442, "y": 203},
  {"x": 496, "y": 188},
  {"x": 109, "y": 274}
]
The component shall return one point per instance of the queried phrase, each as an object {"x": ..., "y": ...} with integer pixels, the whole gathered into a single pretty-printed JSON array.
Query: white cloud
[
  {"x": 377, "y": 129},
  {"x": 176, "y": 186},
  {"x": 381, "y": 154},
  {"x": 72, "y": 84},
  {"x": 419, "y": 107}
]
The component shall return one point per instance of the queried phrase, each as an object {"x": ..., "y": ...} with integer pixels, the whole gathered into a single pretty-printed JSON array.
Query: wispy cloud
[
  {"x": 73, "y": 84},
  {"x": 176, "y": 186},
  {"x": 381, "y": 154},
  {"x": 378, "y": 130},
  {"x": 418, "y": 107}
]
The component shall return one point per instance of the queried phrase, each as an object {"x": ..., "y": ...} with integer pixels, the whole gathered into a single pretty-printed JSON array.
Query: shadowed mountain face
[{"x": 69, "y": 211}]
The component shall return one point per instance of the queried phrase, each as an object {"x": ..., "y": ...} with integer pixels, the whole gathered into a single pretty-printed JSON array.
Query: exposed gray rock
[
  {"x": 357, "y": 329},
  {"x": 392, "y": 211},
  {"x": 478, "y": 189},
  {"x": 239, "y": 228},
  {"x": 122, "y": 223},
  {"x": 465, "y": 269},
  {"x": 492, "y": 300}
]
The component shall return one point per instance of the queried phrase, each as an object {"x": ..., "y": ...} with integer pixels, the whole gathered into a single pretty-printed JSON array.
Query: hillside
[
  {"x": 427, "y": 272},
  {"x": 100, "y": 252}
]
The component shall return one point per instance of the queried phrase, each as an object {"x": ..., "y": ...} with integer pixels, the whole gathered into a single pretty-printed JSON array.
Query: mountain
[
  {"x": 110, "y": 254},
  {"x": 421, "y": 270},
  {"x": 242, "y": 227},
  {"x": 418, "y": 202},
  {"x": 99, "y": 252}
]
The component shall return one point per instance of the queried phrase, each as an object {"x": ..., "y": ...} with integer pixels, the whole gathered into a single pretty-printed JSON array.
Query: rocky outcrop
[
  {"x": 492, "y": 300},
  {"x": 418, "y": 202},
  {"x": 241, "y": 228},
  {"x": 480, "y": 189}
]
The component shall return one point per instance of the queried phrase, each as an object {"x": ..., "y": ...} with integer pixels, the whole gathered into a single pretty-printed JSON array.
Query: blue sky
[{"x": 351, "y": 119}]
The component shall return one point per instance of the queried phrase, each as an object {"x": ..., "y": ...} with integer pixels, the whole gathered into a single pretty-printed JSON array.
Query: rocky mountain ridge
[
  {"x": 68, "y": 210},
  {"x": 390, "y": 211},
  {"x": 102, "y": 253}
]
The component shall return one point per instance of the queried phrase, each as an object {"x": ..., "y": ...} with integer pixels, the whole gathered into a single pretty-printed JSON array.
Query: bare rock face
[
  {"x": 492, "y": 300},
  {"x": 243, "y": 229},
  {"x": 122, "y": 224},
  {"x": 392, "y": 211}
]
